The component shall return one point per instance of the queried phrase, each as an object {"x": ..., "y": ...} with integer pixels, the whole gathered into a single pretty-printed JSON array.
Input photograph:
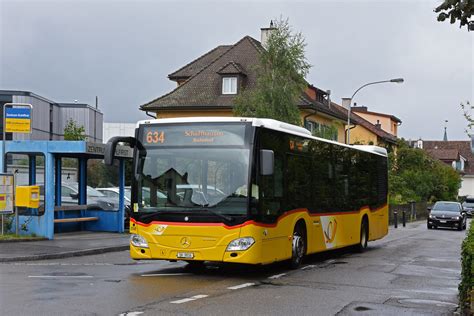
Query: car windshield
[
  {"x": 468, "y": 203},
  {"x": 447, "y": 207},
  {"x": 185, "y": 179}
]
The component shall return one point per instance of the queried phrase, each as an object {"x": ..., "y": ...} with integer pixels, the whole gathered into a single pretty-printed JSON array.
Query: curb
[
  {"x": 23, "y": 239},
  {"x": 67, "y": 254}
]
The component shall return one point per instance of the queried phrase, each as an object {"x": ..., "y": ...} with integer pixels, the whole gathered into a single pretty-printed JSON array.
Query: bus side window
[
  {"x": 271, "y": 192},
  {"x": 271, "y": 188}
]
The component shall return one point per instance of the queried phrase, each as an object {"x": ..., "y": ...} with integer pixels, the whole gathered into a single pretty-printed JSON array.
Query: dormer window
[{"x": 229, "y": 85}]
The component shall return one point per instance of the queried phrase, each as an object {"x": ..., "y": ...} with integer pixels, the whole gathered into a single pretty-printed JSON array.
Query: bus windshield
[{"x": 186, "y": 175}]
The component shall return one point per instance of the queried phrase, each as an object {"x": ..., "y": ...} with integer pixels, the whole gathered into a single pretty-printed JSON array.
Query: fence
[{"x": 413, "y": 211}]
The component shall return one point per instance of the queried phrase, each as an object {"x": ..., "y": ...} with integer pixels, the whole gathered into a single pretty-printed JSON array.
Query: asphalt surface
[
  {"x": 64, "y": 245},
  {"x": 412, "y": 271}
]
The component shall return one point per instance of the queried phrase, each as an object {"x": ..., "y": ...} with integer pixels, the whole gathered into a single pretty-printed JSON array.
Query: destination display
[{"x": 194, "y": 135}]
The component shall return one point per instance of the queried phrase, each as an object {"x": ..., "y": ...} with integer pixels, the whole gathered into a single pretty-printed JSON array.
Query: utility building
[{"x": 49, "y": 117}]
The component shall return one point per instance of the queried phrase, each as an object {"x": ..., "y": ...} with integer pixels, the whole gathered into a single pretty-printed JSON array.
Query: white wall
[
  {"x": 118, "y": 129},
  {"x": 467, "y": 186}
]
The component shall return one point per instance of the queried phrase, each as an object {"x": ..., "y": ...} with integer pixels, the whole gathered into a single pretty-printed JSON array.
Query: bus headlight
[
  {"x": 240, "y": 244},
  {"x": 138, "y": 241}
]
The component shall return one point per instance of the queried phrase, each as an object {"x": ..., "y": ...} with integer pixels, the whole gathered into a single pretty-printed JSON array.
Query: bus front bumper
[{"x": 216, "y": 254}]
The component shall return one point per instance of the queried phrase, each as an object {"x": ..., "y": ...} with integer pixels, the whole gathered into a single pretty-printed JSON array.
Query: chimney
[
  {"x": 265, "y": 34},
  {"x": 346, "y": 102},
  {"x": 329, "y": 98},
  {"x": 378, "y": 125}
]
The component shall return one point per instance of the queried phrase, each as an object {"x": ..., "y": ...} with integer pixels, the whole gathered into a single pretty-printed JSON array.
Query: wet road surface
[{"x": 411, "y": 271}]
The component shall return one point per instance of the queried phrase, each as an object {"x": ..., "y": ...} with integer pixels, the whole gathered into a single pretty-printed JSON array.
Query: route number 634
[{"x": 154, "y": 137}]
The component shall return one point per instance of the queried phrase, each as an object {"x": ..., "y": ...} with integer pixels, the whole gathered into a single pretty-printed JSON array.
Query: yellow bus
[{"x": 249, "y": 190}]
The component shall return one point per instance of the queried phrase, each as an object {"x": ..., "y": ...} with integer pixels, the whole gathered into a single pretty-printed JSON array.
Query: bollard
[
  {"x": 395, "y": 219},
  {"x": 404, "y": 218}
]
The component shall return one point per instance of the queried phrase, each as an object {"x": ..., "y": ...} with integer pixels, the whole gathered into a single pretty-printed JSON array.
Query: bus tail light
[
  {"x": 138, "y": 241},
  {"x": 240, "y": 244}
]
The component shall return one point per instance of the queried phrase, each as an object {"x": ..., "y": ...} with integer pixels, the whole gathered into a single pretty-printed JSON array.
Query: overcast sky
[{"x": 122, "y": 51}]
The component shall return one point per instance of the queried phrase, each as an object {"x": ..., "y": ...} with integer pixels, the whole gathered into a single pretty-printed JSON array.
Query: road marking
[
  {"x": 131, "y": 314},
  {"x": 277, "y": 276},
  {"x": 241, "y": 286},
  {"x": 329, "y": 261},
  {"x": 61, "y": 276},
  {"x": 189, "y": 299},
  {"x": 308, "y": 267},
  {"x": 59, "y": 264},
  {"x": 163, "y": 274}
]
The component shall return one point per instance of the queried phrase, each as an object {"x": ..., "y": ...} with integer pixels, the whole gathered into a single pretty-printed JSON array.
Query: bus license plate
[{"x": 185, "y": 255}]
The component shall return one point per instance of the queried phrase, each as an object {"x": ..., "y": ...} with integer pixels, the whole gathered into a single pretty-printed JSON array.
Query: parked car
[
  {"x": 447, "y": 214},
  {"x": 468, "y": 205},
  {"x": 113, "y": 193},
  {"x": 95, "y": 199}
]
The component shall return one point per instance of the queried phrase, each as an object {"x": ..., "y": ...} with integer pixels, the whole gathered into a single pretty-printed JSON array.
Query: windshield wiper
[{"x": 225, "y": 217}]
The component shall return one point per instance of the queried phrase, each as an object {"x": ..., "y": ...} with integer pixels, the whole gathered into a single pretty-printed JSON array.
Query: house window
[{"x": 229, "y": 85}]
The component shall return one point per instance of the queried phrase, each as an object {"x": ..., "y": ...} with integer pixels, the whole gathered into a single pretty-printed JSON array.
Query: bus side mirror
[
  {"x": 112, "y": 145},
  {"x": 266, "y": 162}
]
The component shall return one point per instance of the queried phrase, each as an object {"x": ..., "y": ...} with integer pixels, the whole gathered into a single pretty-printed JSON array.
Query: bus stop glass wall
[
  {"x": 103, "y": 184},
  {"x": 21, "y": 165},
  {"x": 69, "y": 181}
]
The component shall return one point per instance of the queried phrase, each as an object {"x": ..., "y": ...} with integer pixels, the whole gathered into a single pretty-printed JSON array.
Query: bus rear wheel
[
  {"x": 298, "y": 245},
  {"x": 364, "y": 235}
]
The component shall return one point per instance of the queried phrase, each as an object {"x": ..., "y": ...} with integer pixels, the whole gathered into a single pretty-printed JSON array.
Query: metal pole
[
  {"x": 395, "y": 219},
  {"x": 17, "y": 224},
  {"x": 399, "y": 80},
  {"x": 349, "y": 122},
  {"x": 404, "y": 219},
  {"x": 3, "y": 153}
]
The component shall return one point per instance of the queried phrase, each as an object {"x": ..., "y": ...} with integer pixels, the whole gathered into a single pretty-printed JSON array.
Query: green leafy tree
[
  {"x": 72, "y": 131},
  {"x": 457, "y": 10},
  {"x": 415, "y": 176},
  {"x": 280, "y": 78},
  {"x": 467, "y": 111}
]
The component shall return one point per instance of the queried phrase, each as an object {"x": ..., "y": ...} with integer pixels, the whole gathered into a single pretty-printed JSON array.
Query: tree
[
  {"x": 415, "y": 176},
  {"x": 280, "y": 78},
  {"x": 72, "y": 131},
  {"x": 457, "y": 10},
  {"x": 467, "y": 111}
]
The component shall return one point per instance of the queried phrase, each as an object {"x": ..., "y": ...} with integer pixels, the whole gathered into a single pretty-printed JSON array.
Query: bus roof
[{"x": 265, "y": 123}]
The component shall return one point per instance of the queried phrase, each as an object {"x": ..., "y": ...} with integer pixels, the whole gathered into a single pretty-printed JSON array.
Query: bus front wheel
[
  {"x": 364, "y": 235},
  {"x": 298, "y": 245}
]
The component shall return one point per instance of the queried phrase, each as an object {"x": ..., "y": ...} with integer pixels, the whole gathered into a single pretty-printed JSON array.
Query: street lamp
[{"x": 396, "y": 80}]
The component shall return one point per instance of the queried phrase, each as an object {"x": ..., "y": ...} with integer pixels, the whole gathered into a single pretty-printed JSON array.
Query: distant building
[
  {"x": 118, "y": 129},
  {"x": 50, "y": 118},
  {"x": 387, "y": 122},
  {"x": 456, "y": 154},
  {"x": 208, "y": 86}
]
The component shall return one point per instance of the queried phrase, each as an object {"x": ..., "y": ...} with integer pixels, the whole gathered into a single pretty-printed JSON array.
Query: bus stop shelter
[{"x": 52, "y": 215}]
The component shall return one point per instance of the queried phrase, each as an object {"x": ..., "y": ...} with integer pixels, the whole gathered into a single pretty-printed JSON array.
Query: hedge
[{"x": 466, "y": 292}]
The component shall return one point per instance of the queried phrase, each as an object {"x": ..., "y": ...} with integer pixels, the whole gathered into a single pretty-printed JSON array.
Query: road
[{"x": 411, "y": 271}]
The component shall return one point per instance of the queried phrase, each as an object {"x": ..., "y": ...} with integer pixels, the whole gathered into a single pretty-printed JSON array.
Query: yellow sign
[
  {"x": 17, "y": 120},
  {"x": 3, "y": 201}
]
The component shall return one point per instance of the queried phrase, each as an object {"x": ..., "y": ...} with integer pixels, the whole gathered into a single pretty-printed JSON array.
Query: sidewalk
[{"x": 64, "y": 245}]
